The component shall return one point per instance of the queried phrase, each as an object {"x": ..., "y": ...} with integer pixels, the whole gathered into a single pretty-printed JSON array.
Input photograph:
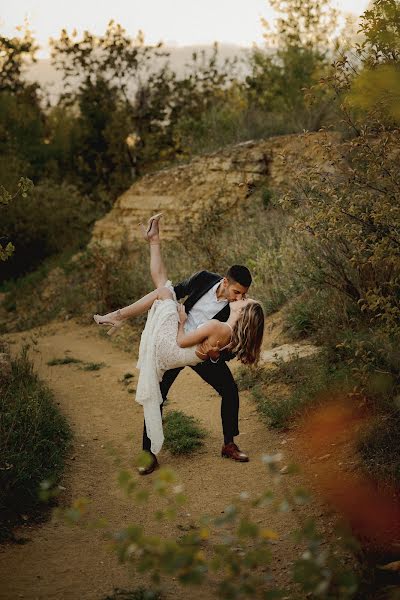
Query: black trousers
[{"x": 219, "y": 376}]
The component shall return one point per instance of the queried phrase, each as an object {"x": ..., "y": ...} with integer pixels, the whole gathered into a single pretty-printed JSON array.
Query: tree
[
  {"x": 297, "y": 56},
  {"x": 353, "y": 211},
  {"x": 108, "y": 70},
  {"x": 15, "y": 54},
  {"x": 376, "y": 88},
  {"x": 24, "y": 187},
  {"x": 21, "y": 117}
]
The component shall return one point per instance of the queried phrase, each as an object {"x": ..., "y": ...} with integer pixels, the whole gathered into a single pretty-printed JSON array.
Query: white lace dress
[{"x": 159, "y": 352}]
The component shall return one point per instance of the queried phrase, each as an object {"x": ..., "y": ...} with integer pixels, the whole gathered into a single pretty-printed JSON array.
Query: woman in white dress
[{"x": 164, "y": 344}]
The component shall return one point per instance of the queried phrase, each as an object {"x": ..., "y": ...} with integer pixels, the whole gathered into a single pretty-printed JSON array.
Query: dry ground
[{"x": 60, "y": 562}]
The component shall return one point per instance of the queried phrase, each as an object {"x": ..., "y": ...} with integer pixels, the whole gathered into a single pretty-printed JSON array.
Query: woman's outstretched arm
[{"x": 186, "y": 340}]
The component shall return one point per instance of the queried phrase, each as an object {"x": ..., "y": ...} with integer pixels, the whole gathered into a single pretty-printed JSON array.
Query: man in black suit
[{"x": 207, "y": 297}]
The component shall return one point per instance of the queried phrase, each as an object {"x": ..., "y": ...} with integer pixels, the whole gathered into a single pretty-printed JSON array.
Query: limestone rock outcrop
[
  {"x": 288, "y": 352},
  {"x": 225, "y": 178}
]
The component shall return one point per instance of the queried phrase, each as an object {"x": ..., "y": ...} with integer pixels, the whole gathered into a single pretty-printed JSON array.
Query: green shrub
[
  {"x": 182, "y": 433},
  {"x": 247, "y": 377},
  {"x": 54, "y": 217},
  {"x": 93, "y": 281},
  {"x": 299, "y": 319},
  {"x": 266, "y": 197},
  {"x": 34, "y": 437},
  {"x": 373, "y": 355},
  {"x": 93, "y": 366},
  {"x": 237, "y": 120},
  {"x": 305, "y": 379}
]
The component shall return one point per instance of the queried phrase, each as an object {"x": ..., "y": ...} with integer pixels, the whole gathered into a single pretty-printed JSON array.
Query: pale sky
[{"x": 175, "y": 22}]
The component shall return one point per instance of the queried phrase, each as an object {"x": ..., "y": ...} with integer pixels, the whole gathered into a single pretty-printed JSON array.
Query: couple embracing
[{"x": 216, "y": 323}]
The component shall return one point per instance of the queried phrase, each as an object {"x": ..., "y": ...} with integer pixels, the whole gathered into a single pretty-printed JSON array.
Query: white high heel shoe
[{"x": 108, "y": 320}]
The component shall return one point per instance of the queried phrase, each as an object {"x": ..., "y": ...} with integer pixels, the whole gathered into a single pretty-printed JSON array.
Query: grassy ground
[{"x": 288, "y": 389}]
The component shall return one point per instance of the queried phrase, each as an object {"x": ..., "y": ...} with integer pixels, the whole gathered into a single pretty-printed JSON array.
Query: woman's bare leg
[
  {"x": 144, "y": 304},
  {"x": 139, "y": 307},
  {"x": 157, "y": 267},
  {"x": 158, "y": 274}
]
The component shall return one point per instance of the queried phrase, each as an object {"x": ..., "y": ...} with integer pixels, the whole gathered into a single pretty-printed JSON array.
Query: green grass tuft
[
  {"x": 93, "y": 366},
  {"x": 67, "y": 360},
  {"x": 139, "y": 593},
  {"x": 182, "y": 433}
]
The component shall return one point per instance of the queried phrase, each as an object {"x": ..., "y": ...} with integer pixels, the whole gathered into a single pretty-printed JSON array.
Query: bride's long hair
[{"x": 248, "y": 333}]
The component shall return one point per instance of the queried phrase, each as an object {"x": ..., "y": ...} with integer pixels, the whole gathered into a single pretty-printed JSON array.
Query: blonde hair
[{"x": 248, "y": 333}]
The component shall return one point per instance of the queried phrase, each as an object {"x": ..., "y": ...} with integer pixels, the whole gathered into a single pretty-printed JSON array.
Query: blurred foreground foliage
[{"x": 232, "y": 553}]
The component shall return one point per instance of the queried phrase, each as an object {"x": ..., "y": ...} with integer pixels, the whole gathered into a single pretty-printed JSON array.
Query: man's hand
[
  {"x": 212, "y": 352},
  {"x": 182, "y": 314}
]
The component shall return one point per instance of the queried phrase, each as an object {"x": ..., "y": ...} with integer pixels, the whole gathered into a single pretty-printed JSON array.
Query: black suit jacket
[{"x": 194, "y": 288}]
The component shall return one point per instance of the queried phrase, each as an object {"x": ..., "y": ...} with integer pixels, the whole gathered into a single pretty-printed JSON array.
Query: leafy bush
[
  {"x": 236, "y": 120},
  {"x": 259, "y": 238},
  {"x": 34, "y": 437},
  {"x": 374, "y": 358},
  {"x": 229, "y": 551},
  {"x": 299, "y": 319}
]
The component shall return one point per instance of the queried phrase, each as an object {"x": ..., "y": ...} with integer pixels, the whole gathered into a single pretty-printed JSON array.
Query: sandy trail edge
[{"x": 66, "y": 563}]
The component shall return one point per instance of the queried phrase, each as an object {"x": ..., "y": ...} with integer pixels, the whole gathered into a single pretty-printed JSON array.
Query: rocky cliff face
[{"x": 223, "y": 179}]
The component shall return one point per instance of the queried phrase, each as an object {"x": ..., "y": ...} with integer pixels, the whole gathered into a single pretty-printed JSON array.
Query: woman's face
[{"x": 238, "y": 305}]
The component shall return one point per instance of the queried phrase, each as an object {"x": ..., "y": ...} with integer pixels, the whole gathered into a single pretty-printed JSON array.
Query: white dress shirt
[{"x": 204, "y": 309}]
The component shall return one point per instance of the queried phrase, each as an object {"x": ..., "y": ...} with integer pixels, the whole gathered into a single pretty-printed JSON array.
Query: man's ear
[{"x": 225, "y": 282}]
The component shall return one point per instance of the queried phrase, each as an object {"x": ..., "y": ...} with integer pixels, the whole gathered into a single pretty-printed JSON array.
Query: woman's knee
[{"x": 163, "y": 293}]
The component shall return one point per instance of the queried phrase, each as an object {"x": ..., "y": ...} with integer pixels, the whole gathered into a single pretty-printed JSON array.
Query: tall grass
[
  {"x": 100, "y": 280},
  {"x": 292, "y": 388},
  {"x": 34, "y": 437}
]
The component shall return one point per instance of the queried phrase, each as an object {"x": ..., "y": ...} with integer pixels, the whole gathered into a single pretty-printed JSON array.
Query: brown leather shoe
[
  {"x": 150, "y": 467},
  {"x": 232, "y": 451}
]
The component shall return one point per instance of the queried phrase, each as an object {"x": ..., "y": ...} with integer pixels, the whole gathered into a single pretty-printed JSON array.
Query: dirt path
[{"x": 60, "y": 562}]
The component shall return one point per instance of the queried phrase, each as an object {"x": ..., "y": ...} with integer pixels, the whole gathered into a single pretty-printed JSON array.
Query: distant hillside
[{"x": 51, "y": 80}]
